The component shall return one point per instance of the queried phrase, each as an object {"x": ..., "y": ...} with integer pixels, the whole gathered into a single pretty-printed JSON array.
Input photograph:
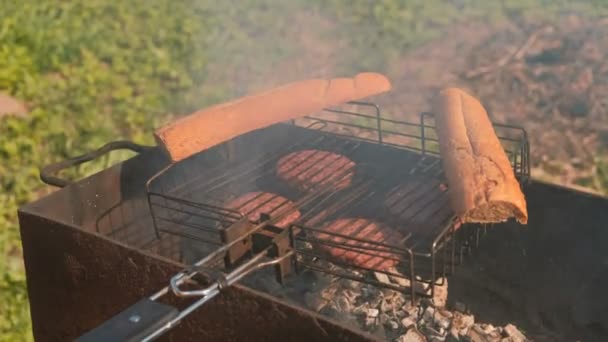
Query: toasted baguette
[
  {"x": 212, "y": 126},
  {"x": 483, "y": 187}
]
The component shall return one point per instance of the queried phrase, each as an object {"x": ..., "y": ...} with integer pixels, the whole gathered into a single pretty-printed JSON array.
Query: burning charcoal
[
  {"x": 398, "y": 299},
  {"x": 373, "y": 313},
  {"x": 329, "y": 293},
  {"x": 393, "y": 324},
  {"x": 368, "y": 291},
  {"x": 479, "y": 329},
  {"x": 461, "y": 323},
  {"x": 453, "y": 336},
  {"x": 442, "y": 320},
  {"x": 487, "y": 328},
  {"x": 408, "y": 322},
  {"x": 445, "y": 313},
  {"x": 429, "y": 314},
  {"x": 408, "y": 305},
  {"x": 375, "y": 302},
  {"x": 351, "y": 296},
  {"x": 458, "y": 306},
  {"x": 496, "y": 336},
  {"x": 382, "y": 278},
  {"x": 351, "y": 284},
  {"x": 385, "y": 306},
  {"x": 437, "y": 339},
  {"x": 426, "y": 302},
  {"x": 476, "y": 336},
  {"x": 379, "y": 332},
  {"x": 361, "y": 309},
  {"x": 514, "y": 333},
  {"x": 370, "y": 322},
  {"x": 412, "y": 335},
  {"x": 389, "y": 293},
  {"x": 400, "y": 314},
  {"x": 484, "y": 332},
  {"x": 440, "y": 296},
  {"x": 344, "y": 304},
  {"x": 430, "y": 332},
  {"x": 411, "y": 311},
  {"x": 384, "y": 318},
  {"x": 467, "y": 320}
]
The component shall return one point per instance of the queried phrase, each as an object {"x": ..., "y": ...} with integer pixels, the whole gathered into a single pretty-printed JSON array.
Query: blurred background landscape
[{"x": 75, "y": 75}]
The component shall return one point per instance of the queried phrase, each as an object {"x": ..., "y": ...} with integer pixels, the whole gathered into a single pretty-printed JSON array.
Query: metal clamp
[{"x": 47, "y": 173}]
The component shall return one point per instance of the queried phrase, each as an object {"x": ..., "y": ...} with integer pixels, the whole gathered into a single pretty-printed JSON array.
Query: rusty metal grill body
[{"x": 91, "y": 249}]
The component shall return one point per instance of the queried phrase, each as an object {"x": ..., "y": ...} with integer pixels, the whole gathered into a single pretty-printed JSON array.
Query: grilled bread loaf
[
  {"x": 483, "y": 187},
  {"x": 212, "y": 126}
]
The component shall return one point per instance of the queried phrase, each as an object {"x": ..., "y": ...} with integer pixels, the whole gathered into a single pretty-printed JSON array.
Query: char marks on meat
[
  {"x": 253, "y": 204},
  {"x": 359, "y": 253},
  {"x": 308, "y": 169}
]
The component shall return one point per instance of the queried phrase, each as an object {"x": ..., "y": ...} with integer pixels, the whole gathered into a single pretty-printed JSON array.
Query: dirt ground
[{"x": 548, "y": 79}]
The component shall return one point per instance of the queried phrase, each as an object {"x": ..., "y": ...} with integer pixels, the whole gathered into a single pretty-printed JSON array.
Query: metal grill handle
[
  {"x": 160, "y": 318},
  {"x": 47, "y": 173}
]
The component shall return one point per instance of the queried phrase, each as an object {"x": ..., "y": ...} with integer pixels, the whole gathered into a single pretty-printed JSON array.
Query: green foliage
[
  {"x": 90, "y": 72},
  {"x": 99, "y": 70}
]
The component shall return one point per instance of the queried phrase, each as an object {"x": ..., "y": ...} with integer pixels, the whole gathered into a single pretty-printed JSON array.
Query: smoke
[
  {"x": 256, "y": 45},
  {"x": 253, "y": 45}
]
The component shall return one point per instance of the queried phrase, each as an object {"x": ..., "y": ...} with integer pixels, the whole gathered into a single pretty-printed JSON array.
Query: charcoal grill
[{"x": 182, "y": 216}]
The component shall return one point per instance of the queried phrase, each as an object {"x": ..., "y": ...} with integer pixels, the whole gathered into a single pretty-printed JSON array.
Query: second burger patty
[
  {"x": 358, "y": 253},
  {"x": 307, "y": 169},
  {"x": 253, "y": 204}
]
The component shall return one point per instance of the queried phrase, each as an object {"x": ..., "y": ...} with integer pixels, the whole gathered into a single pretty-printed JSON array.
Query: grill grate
[{"x": 398, "y": 182}]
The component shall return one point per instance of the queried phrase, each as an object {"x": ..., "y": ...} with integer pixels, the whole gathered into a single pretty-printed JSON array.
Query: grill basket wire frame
[{"x": 186, "y": 203}]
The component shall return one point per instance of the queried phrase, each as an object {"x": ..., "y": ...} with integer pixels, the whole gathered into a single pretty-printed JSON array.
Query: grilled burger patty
[
  {"x": 307, "y": 169},
  {"x": 253, "y": 204},
  {"x": 363, "y": 229}
]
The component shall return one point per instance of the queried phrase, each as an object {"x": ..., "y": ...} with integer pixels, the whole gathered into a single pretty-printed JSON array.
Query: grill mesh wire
[{"x": 397, "y": 183}]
